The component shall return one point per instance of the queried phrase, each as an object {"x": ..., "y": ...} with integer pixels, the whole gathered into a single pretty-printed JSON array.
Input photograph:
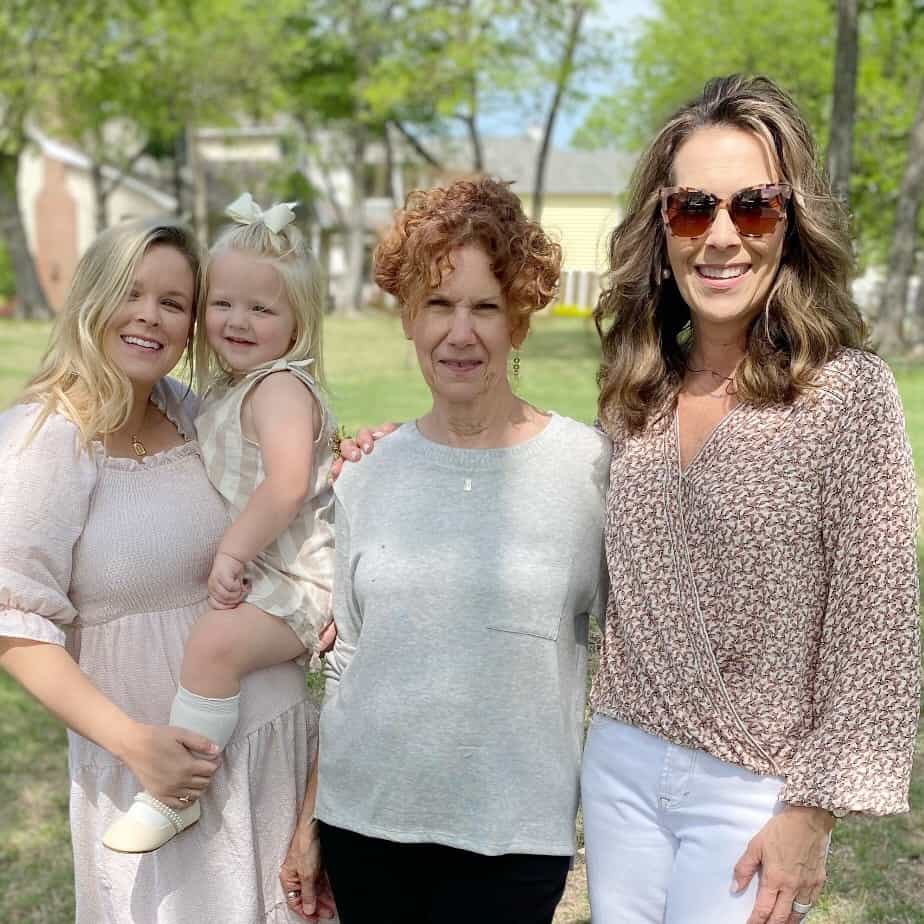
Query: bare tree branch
[{"x": 416, "y": 144}]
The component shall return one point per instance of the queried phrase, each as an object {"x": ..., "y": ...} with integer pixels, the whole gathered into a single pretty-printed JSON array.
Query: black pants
[{"x": 384, "y": 882}]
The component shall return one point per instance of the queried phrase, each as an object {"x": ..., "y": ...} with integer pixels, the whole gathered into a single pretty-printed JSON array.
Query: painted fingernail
[
  {"x": 378, "y": 434},
  {"x": 367, "y": 447}
]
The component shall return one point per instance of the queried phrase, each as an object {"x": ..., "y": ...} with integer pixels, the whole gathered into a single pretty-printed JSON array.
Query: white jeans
[{"x": 664, "y": 827}]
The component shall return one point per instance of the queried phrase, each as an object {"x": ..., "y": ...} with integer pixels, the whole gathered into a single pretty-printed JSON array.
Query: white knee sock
[{"x": 214, "y": 718}]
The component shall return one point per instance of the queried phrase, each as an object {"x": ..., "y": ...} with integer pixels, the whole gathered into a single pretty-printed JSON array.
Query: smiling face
[
  {"x": 462, "y": 332},
  {"x": 248, "y": 318},
  {"x": 723, "y": 276},
  {"x": 147, "y": 334}
]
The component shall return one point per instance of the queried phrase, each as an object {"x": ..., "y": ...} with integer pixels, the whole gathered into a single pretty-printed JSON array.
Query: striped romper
[{"x": 293, "y": 576}]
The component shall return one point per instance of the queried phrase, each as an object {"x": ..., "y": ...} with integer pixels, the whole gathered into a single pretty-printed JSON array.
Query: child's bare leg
[
  {"x": 226, "y": 645},
  {"x": 223, "y": 647}
]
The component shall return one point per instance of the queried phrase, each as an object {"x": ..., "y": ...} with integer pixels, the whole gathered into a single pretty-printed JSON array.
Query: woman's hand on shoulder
[
  {"x": 791, "y": 851},
  {"x": 352, "y": 448},
  {"x": 308, "y": 892}
]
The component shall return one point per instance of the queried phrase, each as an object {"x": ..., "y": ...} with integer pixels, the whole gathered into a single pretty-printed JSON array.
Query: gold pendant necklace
[{"x": 139, "y": 448}]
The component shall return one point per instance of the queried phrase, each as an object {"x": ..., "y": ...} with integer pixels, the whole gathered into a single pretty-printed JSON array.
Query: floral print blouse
[{"x": 764, "y": 599}]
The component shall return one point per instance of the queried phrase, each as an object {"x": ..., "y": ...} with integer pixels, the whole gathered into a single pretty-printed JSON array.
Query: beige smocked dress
[
  {"x": 293, "y": 576},
  {"x": 110, "y": 557}
]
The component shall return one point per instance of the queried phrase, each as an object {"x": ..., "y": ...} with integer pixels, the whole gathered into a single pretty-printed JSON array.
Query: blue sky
[{"x": 620, "y": 16}]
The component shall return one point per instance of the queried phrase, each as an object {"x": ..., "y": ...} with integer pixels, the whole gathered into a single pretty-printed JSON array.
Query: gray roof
[{"x": 602, "y": 172}]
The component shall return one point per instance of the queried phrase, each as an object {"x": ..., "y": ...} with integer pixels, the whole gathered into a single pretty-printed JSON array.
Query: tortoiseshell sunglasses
[{"x": 754, "y": 210}]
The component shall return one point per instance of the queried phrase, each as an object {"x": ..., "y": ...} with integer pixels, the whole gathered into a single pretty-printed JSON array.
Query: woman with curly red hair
[{"x": 451, "y": 731}]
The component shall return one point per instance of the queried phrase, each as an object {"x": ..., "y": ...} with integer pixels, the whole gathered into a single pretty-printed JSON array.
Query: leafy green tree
[
  {"x": 567, "y": 50},
  {"x": 905, "y": 240},
  {"x": 150, "y": 74},
  {"x": 843, "y": 107},
  {"x": 888, "y": 88},
  {"x": 35, "y": 50},
  {"x": 687, "y": 41}
]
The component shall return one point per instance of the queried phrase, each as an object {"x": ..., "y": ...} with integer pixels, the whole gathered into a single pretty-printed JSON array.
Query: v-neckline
[{"x": 685, "y": 470}]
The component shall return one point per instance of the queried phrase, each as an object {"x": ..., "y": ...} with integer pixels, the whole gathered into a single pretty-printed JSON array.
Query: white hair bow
[{"x": 245, "y": 212}]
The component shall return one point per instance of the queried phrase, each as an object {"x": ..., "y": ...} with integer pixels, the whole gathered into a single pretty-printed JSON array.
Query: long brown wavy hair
[{"x": 644, "y": 323}]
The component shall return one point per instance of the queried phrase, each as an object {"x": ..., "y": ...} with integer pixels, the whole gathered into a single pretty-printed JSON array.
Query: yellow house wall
[{"x": 581, "y": 225}]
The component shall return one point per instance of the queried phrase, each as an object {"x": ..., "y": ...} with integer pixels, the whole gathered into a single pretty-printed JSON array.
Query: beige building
[
  {"x": 580, "y": 204},
  {"x": 57, "y": 204}
]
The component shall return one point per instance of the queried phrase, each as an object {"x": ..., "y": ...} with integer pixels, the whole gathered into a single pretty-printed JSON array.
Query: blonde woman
[
  {"x": 265, "y": 430},
  {"x": 108, "y": 531}
]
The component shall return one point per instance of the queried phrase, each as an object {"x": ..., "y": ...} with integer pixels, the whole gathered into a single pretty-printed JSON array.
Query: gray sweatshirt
[{"x": 455, "y": 692}]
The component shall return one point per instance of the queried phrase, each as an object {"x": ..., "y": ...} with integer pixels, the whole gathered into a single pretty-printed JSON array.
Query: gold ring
[{"x": 184, "y": 799}]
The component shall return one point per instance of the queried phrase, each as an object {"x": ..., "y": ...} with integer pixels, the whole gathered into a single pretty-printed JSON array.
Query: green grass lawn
[{"x": 876, "y": 870}]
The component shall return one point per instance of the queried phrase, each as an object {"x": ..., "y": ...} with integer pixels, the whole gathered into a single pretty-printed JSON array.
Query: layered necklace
[{"x": 729, "y": 380}]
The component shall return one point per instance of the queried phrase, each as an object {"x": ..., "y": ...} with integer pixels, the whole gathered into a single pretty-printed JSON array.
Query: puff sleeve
[{"x": 45, "y": 490}]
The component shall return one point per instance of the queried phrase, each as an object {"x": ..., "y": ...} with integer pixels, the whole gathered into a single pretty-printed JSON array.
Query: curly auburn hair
[
  {"x": 415, "y": 252},
  {"x": 644, "y": 323}
]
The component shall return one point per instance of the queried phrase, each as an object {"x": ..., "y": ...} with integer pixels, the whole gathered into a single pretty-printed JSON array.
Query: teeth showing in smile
[
  {"x": 147, "y": 344},
  {"x": 722, "y": 272}
]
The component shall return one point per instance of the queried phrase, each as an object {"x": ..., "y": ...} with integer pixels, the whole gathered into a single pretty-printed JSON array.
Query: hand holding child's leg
[{"x": 223, "y": 647}]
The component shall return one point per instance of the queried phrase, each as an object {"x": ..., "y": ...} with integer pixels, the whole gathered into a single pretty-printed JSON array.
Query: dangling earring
[
  {"x": 767, "y": 322},
  {"x": 666, "y": 273},
  {"x": 516, "y": 368}
]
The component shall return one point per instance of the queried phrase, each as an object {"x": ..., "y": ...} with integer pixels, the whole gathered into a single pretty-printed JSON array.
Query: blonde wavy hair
[
  {"x": 644, "y": 323},
  {"x": 76, "y": 378},
  {"x": 302, "y": 281}
]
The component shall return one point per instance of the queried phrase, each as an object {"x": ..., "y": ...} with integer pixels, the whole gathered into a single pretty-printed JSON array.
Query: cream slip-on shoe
[{"x": 132, "y": 835}]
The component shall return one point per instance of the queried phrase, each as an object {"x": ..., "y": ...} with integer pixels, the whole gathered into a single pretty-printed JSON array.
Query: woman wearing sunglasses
[{"x": 759, "y": 675}]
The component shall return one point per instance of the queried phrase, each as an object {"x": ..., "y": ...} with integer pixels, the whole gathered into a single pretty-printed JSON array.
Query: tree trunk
[
  {"x": 471, "y": 125},
  {"x": 393, "y": 191},
  {"x": 179, "y": 153},
  {"x": 30, "y": 299},
  {"x": 200, "y": 191},
  {"x": 843, "y": 108},
  {"x": 99, "y": 197},
  {"x": 566, "y": 67},
  {"x": 356, "y": 250},
  {"x": 917, "y": 312},
  {"x": 425, "y": 155},
  {"x": 894, "y": 304},
  {"x": 469, "y": 120}
]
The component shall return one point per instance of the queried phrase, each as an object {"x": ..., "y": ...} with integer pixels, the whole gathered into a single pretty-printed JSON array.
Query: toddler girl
[{"x": 264, "y": 432}]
